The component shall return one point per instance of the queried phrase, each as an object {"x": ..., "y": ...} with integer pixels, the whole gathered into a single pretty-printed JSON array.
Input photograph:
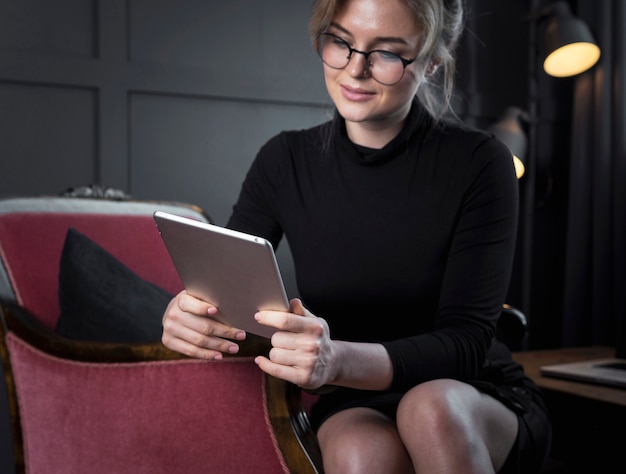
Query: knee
[
  {"x": 362, "y": 440},
  {"x": 447, "y": 423},
  {"x": 432, "y": 410},
  {"x": 358, "y": 453},
  {"x": 344, "y": 457}
]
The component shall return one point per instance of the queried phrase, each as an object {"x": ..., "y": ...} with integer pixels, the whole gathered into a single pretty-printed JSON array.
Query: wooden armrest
[{"x": 292, "y": 428}]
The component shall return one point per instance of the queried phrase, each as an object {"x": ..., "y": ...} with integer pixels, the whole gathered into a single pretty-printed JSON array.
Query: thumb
[{"x": 296, "y": 307}]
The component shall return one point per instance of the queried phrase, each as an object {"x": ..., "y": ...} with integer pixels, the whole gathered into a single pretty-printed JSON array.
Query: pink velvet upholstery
[
  {"x": 149, "y": 417},
  {"x": 132, "y": 239},
  {"x": 31, "y": 242}
]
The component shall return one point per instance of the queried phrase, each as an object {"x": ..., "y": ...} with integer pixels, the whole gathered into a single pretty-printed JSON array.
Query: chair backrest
[
  {"x": 33, "y": 230},
  {"x": 80, "y": 406}
]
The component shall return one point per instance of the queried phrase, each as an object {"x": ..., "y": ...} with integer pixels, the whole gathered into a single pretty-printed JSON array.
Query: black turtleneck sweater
[{"x": 411, "y": 245}]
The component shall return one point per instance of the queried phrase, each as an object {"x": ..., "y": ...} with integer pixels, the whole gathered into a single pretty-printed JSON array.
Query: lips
[{"x": 356, "y": 94}]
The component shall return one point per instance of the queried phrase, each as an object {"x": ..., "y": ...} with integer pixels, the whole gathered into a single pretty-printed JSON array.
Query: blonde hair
[{"x": 441, "y": 23}]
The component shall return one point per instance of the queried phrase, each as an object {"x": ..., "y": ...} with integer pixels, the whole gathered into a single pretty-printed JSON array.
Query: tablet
[{"x": 236, "y": 272}]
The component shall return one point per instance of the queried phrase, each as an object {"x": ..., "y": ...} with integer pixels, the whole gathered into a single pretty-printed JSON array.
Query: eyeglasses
[{"x": 385, "y": 67}]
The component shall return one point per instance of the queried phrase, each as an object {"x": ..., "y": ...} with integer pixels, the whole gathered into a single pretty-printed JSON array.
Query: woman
[{"x": 402, "y": 228}]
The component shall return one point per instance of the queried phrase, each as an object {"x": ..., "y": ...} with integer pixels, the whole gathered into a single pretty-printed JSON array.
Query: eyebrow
[{"x": 378, "y": 39}]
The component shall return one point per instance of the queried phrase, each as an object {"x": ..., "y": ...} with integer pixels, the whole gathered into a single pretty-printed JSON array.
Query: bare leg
[
  {"x": 361, "y": 440},
  {"x": 443, "y": 426},
  {"x": 448, "y": 427}
]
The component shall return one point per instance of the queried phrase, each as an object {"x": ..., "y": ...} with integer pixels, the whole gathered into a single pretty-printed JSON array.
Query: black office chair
[{"x": 512, "y": 328}]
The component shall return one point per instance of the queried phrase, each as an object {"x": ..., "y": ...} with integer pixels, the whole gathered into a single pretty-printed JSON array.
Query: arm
[
  {"x": 482, "y": 208},
  {"x": 475, "y": 280}
]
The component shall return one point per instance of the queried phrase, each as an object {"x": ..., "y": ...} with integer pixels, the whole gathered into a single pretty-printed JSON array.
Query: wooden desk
[
  {"x": 533, "y": 360},
  {"x": 588, "y": 421}
]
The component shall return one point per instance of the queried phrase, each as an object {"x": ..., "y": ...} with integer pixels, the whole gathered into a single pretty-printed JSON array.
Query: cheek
[
  {"x": 330, "y": 76},
  {"x": 407, "y": 88}
]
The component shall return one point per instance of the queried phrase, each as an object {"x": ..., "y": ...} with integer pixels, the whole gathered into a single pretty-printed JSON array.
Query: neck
[
  {"x": 372, "y": 135},
  {"x": 377, "y": 133}
]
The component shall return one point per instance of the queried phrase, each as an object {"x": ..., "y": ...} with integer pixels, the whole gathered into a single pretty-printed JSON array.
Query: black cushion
[{"x": 103, "y": 300}]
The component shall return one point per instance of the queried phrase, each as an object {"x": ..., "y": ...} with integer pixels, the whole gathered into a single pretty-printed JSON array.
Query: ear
[{"x": 432, "y": 67}]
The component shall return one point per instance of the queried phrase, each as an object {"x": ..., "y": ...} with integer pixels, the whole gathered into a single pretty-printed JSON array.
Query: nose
[{"x": 357, "y": 66}]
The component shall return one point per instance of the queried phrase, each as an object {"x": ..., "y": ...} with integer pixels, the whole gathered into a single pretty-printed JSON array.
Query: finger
[
  {"x": 203, "y": 335},
  {"x": 291, "y": 374},
  {"x": 193, "y": 305},
  {"x": 295, "y": 357},
  {"x": 296, "y": 307},
  {"x": 208, "y": 326},
  {"x": 283, "y": 372},
  {"x": 176, "y": 320},
  {"x": 194, "y": 335},
  {"x": 192, "y": 312},
  {"x": 190, "y": 350},
  {"x": 300, "y": 321},
  {"x": 280, "y": 320}
]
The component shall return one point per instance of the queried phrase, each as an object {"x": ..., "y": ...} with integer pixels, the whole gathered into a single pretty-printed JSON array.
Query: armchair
[{"x": 81, "y": 404}]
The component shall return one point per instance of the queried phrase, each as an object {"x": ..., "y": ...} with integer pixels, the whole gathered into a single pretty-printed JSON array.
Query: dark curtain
[{"x": 595, "y": 270}]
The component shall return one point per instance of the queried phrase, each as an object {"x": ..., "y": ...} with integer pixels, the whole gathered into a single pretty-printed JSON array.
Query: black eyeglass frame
[{"x": 366, "y": 54}]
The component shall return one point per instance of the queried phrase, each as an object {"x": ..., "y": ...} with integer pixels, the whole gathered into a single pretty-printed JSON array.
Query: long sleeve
[{"x": 410, "y": 246}]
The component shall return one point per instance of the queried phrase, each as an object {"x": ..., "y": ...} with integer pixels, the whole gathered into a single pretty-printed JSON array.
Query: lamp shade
[
  {"x": 570, "y": 46},
  {"x": 509, "y": 130}
]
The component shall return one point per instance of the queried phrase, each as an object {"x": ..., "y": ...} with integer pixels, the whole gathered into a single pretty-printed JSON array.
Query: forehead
[{"x": 378, "y": 18}]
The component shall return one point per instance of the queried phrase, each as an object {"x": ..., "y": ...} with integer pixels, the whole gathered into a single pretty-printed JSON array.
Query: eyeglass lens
[{"x": 384, "y": 67}]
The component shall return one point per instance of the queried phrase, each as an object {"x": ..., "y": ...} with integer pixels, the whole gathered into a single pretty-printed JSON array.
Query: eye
[
  {"x": 387, "y": 56},
  {"x": 338, "y": 42}
]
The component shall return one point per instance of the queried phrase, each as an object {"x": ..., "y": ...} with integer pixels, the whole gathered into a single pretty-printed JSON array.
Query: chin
[
  {"x": 355, "y": 118},
  {"x": 356, "y": 112},
  {"x": 360, "y": 115}
]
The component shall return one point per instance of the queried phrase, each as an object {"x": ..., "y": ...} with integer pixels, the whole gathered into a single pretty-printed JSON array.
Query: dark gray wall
[{"x": 163, "y": 99}]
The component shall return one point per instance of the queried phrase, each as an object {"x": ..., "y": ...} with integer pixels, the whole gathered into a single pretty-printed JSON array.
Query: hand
[
  {"x": 188, "y": 328},
  {"x": 302, "y": 351}
]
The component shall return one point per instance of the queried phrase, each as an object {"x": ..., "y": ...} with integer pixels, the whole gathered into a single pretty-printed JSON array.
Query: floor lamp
[{"x": 567, "y": 49}]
